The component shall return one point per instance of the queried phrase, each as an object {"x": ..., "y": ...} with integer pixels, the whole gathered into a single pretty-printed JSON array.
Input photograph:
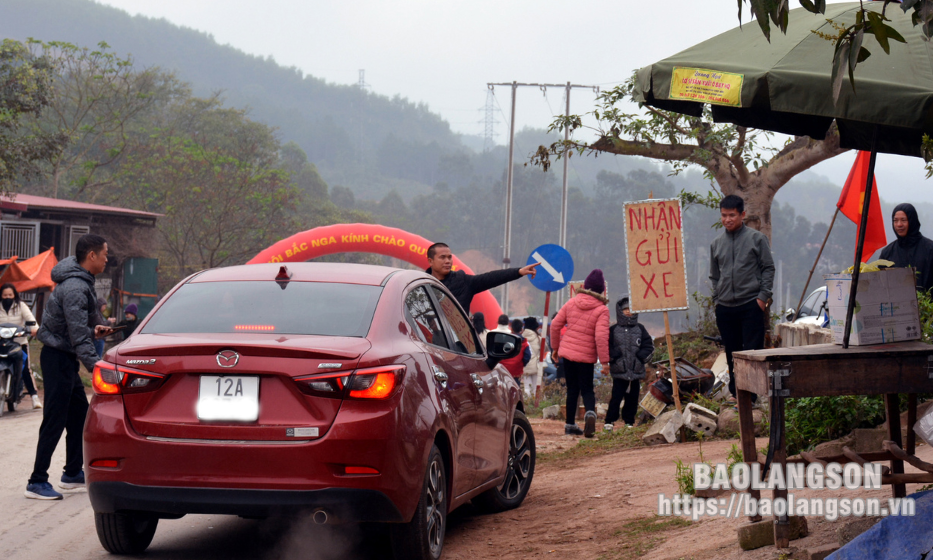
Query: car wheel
[
  {"x": 422, "y": 538},
  {"x": 521, "y": 469},
  {"x": 125, "y": 533}
]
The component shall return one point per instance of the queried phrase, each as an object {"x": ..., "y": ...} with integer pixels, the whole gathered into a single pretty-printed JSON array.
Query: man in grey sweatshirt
[{"x": 741, "y": 271}]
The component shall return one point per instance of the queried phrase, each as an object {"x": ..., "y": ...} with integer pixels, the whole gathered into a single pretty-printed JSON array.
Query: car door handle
[
  {"x": 477, "y": 381},
  {"x": 440, "y": 376}
]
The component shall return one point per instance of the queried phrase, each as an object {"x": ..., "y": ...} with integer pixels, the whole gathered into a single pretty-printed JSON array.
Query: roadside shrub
[{"x": 813, "y": 420}]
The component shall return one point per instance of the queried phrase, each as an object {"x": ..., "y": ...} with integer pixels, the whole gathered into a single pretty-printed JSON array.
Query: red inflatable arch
[{"x": 368, "y": 238}]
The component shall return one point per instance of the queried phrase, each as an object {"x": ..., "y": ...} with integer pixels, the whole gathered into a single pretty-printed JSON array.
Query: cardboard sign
[{"x": 654, "y": 242}]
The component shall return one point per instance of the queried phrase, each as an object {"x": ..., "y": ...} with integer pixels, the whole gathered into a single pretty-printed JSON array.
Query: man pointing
[{"x": 464, "y": 286}]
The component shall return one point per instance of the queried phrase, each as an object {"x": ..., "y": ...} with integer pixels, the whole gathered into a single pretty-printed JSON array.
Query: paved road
[{"x": 40, "y": 530}]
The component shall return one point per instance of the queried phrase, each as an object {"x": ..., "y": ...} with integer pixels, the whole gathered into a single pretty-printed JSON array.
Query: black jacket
[
  {"x": 912, "y": 250},
  {"x": 464, "y": 286},
  {"x": 630, "y": 345},
  {"x": 71, "y": 313}
]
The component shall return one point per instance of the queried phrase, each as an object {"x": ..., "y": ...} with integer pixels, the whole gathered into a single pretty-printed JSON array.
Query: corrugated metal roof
[{"x": 23, "y": 202}]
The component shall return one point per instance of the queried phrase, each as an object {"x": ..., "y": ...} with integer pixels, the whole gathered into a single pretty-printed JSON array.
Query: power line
[{"x": 506, "y": 256}]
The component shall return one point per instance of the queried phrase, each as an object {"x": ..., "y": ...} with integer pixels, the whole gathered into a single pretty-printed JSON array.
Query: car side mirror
[
  {"x": 501, "y": 346},
  {"x": 789, "y": 316}
]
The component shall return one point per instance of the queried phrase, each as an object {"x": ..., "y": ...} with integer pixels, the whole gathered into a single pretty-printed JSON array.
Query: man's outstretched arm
[{"x": 489, "y": 280}]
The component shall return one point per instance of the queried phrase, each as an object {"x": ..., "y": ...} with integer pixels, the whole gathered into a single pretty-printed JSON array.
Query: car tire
[
  {"x": 520, "y": 471},
  {"x": 125, "y": 533},
  {"x": 422, "y": 538}
]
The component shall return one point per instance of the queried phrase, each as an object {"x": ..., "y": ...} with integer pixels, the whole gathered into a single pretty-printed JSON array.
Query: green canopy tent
[{"x": 786, "y": 86}]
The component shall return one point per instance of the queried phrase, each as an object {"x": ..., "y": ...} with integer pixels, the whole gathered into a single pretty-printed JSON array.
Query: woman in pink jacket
[{"x": 585, "y": 340}]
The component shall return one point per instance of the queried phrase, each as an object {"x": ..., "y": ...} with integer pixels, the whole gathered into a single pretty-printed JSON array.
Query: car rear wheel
[
  {"x": 125, "y": 533},
  {"x": 422, "y": 538},
  {"x": 521, "y": 469}
]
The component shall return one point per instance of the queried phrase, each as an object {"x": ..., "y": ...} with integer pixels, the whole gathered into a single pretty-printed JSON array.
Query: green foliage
[
  {"x": 925, "y": 301},
  {"x": 810, "y": 421},
  {"x": 25, "y": 92}
]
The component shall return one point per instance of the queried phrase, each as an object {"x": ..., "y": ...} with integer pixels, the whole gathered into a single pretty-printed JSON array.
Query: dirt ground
[
  {"x": 592, "y": 507},
  {"x": 596, "y": 507}
]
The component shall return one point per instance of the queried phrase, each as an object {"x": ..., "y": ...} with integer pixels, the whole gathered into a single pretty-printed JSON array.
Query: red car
[{"x": 354, "y": 393}]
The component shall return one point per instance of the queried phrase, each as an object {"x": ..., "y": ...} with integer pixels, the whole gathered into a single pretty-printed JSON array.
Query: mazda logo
[{"x": 227, "y": 358}]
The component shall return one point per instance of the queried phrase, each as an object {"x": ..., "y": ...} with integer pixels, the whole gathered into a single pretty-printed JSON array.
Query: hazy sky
[{"x": 443, "y": 52}]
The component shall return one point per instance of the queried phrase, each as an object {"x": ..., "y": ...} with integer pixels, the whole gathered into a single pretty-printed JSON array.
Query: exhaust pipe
[{"x": 319, "y": 516}]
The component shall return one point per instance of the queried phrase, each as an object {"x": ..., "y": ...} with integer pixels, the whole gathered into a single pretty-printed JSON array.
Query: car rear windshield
[{"x": 316, "y": 308}]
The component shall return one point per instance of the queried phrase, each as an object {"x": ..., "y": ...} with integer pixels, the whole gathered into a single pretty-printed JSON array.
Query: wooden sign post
[{"x": 657, "y": 270}]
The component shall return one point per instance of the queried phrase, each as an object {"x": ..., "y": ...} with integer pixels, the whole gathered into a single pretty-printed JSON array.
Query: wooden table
[{"x": 823, "y": 370}]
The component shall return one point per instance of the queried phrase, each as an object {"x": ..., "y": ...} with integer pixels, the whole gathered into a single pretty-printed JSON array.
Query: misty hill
[{"x": 373, "y": 144}]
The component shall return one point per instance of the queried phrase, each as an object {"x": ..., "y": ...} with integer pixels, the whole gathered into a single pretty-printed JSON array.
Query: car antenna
[{"x": 283, "y": 277}]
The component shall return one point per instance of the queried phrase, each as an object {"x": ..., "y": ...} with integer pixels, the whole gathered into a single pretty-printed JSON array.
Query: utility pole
[
  {"x": 362, "y": 87},
  {"x": 506, "y": 260}
]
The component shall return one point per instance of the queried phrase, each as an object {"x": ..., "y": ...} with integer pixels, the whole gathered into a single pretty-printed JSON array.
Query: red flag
[{"x": 850, "y": 204}]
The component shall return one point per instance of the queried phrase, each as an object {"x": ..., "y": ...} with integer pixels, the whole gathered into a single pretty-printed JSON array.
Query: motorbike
[{"x": 11, "y": 383}]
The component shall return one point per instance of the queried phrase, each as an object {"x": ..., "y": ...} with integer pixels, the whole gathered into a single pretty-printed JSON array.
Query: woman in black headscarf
[{"x": 910, "y": 248}]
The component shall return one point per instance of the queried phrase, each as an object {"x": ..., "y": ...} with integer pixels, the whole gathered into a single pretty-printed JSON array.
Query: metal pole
[
  {"x": 506, "y": 260},
  {"x": 807, "y": 285},
  {"x": 866, "y": 209},
  {"x": 563, "y": 192}
]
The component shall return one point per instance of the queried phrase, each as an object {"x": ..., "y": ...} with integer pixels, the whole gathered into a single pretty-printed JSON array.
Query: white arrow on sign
[{"x": 558, "y": 277}]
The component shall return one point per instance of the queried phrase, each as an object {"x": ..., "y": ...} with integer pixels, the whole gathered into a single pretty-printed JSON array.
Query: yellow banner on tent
[{"x": 707, "y": 86}]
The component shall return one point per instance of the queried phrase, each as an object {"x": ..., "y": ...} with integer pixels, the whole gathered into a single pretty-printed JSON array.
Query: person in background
[
  {"x": 102, "y": 311},
  {"x": 479, "y": 325},
  {"x": 586, "y": 340},
  {"x": 741, "y": 272},
  {"x": 129, "y": 322},
  {"x": 630, "y": 348},
  {"x": 516, "y": 364},
  {"x": 530, "y": 372},
  {"x": 69, "y": 327},
  {"x": 503, "y": 324},
  {"x": 910, "y": 248},
  {"x": 15, "y": 311}
]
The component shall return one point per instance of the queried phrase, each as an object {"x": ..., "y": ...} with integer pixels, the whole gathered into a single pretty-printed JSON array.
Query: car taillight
[
  {"x": 330, "y": 385},
  {"x": 135, "y": 381},
  {"x": 113, "y": 380},
  {"x": 375, "y": 383},
  {"x": 106, "y": 379}
]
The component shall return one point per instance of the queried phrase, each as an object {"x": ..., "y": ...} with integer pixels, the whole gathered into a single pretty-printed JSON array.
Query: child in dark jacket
[{"x": 630, "y": 348}]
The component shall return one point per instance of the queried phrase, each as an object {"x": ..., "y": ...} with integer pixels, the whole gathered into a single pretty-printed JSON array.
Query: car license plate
[{"x": 228, "y": 397}]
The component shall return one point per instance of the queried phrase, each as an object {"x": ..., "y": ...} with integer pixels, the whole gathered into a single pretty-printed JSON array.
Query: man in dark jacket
[
  {"x": 630, "y": 347},
  {"x": 69, "y": 326},
  {"x": 741, "y": 272},
  {"x": 464, "y": 286},
  {"x": 910, "y": 248}
]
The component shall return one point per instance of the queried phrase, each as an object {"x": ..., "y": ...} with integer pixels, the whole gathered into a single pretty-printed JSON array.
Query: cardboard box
[{"x": 886, "y": 307}]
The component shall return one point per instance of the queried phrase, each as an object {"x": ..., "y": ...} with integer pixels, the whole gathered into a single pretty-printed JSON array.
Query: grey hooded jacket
[
  {"x": 741, "y": 268},
  {"x": 71, "y": 313}
]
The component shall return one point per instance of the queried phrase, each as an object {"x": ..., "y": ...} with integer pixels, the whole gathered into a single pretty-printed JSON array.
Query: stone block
[
  {"x": 664, "y": 429},
  {"x": 551, "y": 412},
  {"x": 761, "y": 533},
  {"x": 728, "y": 420},
  {"x": 756, "y": 535},
  {"x": 867, "y": 441},
  {"x": 820, "y": 552},
  {"x": 851, "y": 529},
  {"x": 700, "y": 420}
]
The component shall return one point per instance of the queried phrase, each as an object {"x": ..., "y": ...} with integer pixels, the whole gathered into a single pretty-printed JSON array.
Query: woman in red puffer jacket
[{"x": 585, "y": 340}]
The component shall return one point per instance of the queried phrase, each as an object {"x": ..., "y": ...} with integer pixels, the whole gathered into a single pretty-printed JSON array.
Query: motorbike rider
[{"x": 15, "y": 312}]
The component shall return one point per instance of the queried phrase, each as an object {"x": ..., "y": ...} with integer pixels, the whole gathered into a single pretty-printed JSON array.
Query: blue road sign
[{"x": 556, "y": 267}]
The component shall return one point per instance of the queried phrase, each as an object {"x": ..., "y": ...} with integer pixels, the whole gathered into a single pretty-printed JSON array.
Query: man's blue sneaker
[
  {"x": 41, "y": 491},
  {"x": 72, "y": 482}
]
